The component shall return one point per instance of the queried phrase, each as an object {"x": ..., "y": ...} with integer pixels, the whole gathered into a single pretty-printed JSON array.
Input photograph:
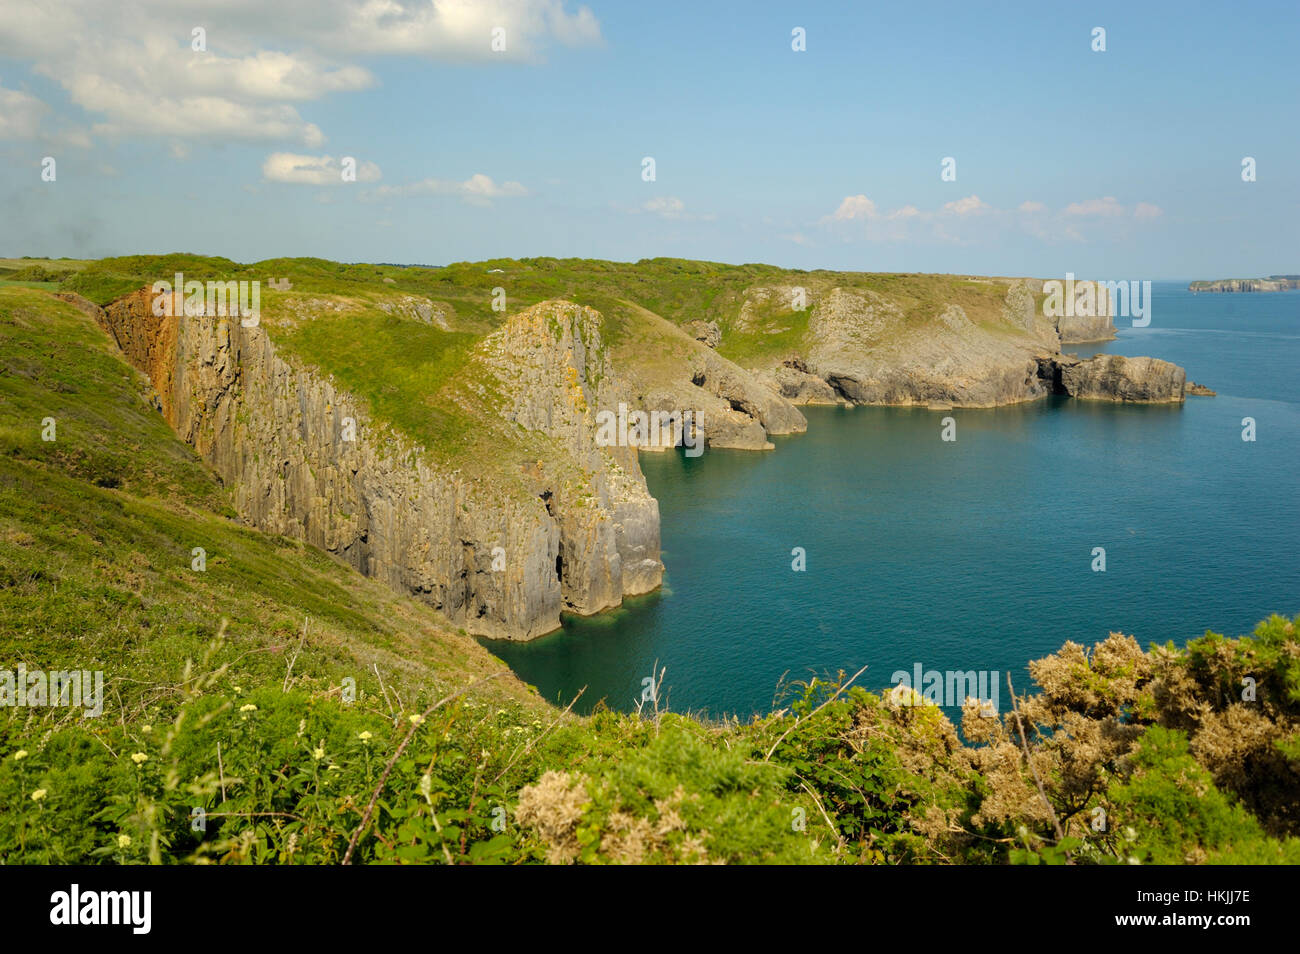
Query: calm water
[{"x": 968, "y": 555}]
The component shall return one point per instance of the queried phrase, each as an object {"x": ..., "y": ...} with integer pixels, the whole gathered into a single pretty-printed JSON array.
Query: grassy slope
[{"x": 97, "y": 529}]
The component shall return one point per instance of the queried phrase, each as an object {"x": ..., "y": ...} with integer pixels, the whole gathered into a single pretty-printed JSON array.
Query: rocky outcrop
[
  {"x": 671, "y": 371},
  {"x": 705, "y": 332},
  {"x": 500, "y": 557},
  {"x": 1273, "y": 284},
  {"x": 1090, "y": 323},
  {"x": 1112, "y": 377},
  {"x": 794, "y": 382},
  {"x": 867, "y": 351},
  {"x": 553, "y": 365},
  {"x": 421, "y": 309},
  {"x": 751, "y": 402}
]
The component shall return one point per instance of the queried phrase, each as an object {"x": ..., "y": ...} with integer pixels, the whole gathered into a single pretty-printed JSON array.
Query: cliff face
[
  {"x": 498, "y": 558},
  {"x": 555, "y": 369},
  {"x": 866, "y": 351},
  {"x": 669, "y": 368},
  {"x": 864, "y": 348}
]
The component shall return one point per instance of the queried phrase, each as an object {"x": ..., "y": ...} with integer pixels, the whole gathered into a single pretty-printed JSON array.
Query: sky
[{"x": 1122, "y": 163}]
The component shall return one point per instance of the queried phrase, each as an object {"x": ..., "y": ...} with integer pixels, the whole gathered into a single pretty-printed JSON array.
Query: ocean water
[{"x": 968, "y": 555}]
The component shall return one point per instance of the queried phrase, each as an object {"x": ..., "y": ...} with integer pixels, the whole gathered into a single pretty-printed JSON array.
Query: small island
[{"x": 1271, "y": 284}]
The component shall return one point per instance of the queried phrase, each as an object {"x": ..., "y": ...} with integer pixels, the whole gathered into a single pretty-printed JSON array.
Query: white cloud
[
  {"x": 1146, "y": 210},
  {"x": 1108, "y": 206},
  {"x": 133, "y": 68},
  {"x": 478, "y": 189},
  {"x": 313, "y": 170},
  {"x": 20, "y": 114},
  {"x": 970, "y": 205},
  {"x": 450, "y": 29},
  {"x": 22, "y": 117},
  {"x": 483, "y": 187},
  {"x": 670, "y": 207},
  {"x": 906, "y": 212},
  {"x": 271, "y": 75},
  {"x": 854, "y": 207},
  {"x": 1031, "y": 207}
]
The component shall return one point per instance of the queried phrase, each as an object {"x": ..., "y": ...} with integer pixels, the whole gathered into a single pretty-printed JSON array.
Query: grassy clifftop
[
  {"x": 404, "y": 338},
  {"x": 679, "y": 290}
]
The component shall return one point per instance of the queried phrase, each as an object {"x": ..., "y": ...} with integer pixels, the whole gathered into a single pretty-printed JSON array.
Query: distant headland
[{"x": 1270, "y": 284}]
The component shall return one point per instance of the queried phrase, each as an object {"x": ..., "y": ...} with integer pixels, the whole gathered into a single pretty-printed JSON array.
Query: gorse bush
[{"x": 265, "y": 775}]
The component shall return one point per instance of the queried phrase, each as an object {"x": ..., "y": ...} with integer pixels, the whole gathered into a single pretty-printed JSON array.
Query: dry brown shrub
[{"x": 554, "y": 806}]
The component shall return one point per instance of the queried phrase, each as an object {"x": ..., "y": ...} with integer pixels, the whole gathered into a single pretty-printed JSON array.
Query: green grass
[
  {"x": 398, "y": 365},
  {"x": 46, "y": 286},
  {"x": 97, "y": 529},
  {"x": 676, "y": 289}
]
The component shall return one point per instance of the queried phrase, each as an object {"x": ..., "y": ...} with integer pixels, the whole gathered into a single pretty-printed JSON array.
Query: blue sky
[{"x": 1117, "y": 164}]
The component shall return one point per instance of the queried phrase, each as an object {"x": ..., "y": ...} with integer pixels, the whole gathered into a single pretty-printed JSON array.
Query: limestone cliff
[
  {"x": 1085, "y": 329},
  {"x": 573, "y": 530},
  {"x": 865, "y": 347},
  {"x": 668, "y": 368}
]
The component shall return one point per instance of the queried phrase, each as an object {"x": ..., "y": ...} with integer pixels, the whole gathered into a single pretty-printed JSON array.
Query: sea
[{"x": 872, "y": 541}]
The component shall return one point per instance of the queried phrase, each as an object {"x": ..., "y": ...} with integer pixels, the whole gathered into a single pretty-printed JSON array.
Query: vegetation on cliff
[{"x": 757, "y": 324}]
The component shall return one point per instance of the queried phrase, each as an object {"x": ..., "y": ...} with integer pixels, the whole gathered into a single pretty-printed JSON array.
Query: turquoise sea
[{"x": 970, "y": 555}]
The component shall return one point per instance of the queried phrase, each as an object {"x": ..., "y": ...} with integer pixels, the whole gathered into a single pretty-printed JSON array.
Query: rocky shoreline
[{"x": 862, "y": 353}]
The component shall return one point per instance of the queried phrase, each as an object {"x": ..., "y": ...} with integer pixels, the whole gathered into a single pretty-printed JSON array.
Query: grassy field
[{"x": 43, "y": 273}]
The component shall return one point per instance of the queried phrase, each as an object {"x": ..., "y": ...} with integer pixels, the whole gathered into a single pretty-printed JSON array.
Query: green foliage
[
  {"x": 388, "y": 361},
  {"x": 700, "y": 800},
  {"x": 1268, "y": 657},
  {"x": 1174, "y": 813},
  {"x": 41, "y": 273}
]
